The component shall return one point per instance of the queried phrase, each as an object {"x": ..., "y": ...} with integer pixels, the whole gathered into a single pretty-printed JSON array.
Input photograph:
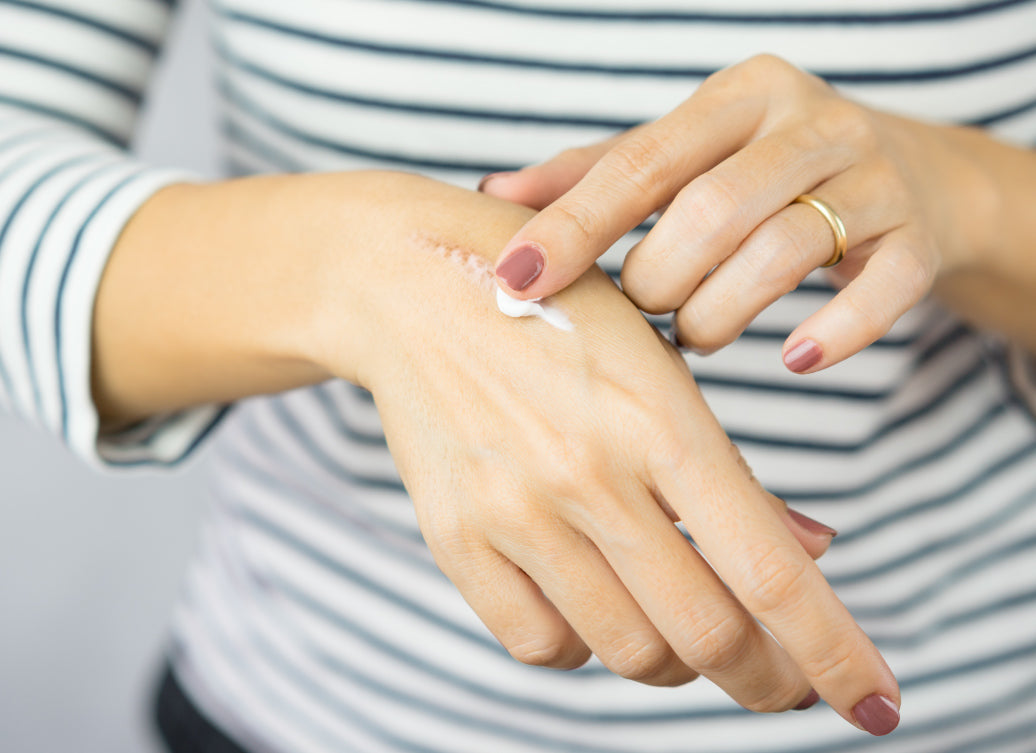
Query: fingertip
[
  {"x": 494, "y": 184},
  {"x": 815, "y": 537},
  {"x": 521, "y": 267},
  {"x": 803, "y": 356}
]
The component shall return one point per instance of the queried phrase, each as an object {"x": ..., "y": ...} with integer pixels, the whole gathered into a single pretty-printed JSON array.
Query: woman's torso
[{"x": 314, "y": 617}]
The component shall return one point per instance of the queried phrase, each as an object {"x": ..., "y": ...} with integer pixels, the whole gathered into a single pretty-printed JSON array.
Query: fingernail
[
  {"x": 803, "y": 356},
  {"x": 813, "y": 526},
  {"x": 876, "y": 714},
  {"x": 492, "y": 176},
  {"x": 521, "y": 268},
  {"x": 808, "y": 701}
]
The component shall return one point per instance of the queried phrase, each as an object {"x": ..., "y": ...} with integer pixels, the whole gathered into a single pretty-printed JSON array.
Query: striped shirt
[{"x": 314, "y": 618}]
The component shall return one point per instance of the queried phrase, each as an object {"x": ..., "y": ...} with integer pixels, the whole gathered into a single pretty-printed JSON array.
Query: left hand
[{"x": 726, "y": 166}]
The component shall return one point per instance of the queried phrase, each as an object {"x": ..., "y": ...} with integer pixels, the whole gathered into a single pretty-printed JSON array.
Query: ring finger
[{"x": 782, "y": 251}]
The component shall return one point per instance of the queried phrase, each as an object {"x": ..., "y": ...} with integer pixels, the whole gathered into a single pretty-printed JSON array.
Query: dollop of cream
[{"x": 537, "y": 307}]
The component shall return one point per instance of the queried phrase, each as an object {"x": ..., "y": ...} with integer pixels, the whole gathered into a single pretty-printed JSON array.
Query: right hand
[{"x": 547, "y": 469}]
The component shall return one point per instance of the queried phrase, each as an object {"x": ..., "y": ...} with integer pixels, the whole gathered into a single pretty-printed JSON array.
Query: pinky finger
[
  {"x": 898, "y": 274},
  {"x": 517, "y": 613}
]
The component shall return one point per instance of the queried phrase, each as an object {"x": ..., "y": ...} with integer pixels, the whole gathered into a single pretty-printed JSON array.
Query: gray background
[{"x": 90, "y": 566}]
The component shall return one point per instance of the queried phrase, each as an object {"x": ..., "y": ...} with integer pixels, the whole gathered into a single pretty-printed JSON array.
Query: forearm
[
  {"x": 991, "y": 281},
  {"x": 216, "y": 292}
]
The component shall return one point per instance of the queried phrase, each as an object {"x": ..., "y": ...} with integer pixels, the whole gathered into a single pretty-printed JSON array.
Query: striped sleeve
[{"x": 72, "y": 73}]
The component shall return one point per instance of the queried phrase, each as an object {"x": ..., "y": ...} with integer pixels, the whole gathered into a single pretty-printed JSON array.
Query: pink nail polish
[
  {"x": 813, "y": 526},
  {"x": 521, "y": 268},
  {"x": 492, "y": 176},
  {"x": 807, "y": 702},
  {"x": 803, "y": 356},
  {"x": 876, "y": 714}
]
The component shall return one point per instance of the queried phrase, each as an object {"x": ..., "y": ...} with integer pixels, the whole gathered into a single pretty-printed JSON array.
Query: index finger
[
  {"x": 640, "y": 174},
  {"x": 744, "y": 540}
]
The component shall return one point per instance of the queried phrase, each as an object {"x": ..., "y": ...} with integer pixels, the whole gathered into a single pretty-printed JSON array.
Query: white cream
[{"x": 536, "y": 307}]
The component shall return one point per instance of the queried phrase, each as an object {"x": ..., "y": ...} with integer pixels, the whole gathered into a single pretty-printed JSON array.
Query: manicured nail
[
  {"x": 876, "y": 714},
  {"x": 521, "y": 268},
  {"x": 803, "y": 356},
  {"x": 492, "y": 176},
  {"x": 813, "y": 526},
  {"x": 808, "y": 701}
]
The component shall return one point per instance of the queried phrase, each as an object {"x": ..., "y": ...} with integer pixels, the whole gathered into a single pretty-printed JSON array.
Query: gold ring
[{"x": 837, "y": 226}]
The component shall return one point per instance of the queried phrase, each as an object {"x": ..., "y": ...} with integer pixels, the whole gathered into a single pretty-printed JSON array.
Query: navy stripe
[
  {"x": 21, "y": 161},
  {"x": 330, "y": 410},
  {"x": 337, "y": 512},
  {"x": 63, "y": 281},
  {"x": 466, "y": 113},
  {"x": 136, "y": 40},
  {"x": 881, "y": 478},
  {"x": 148, "y": 461},
  {"x": 1019, "y": 505},
  {"x": 35, "y": 253},
  {"x": 370, "y": 684},
  {"x": 775, "y": 17},
  {"x": 994, "y": 705},
  {"x": 832, "y": 446},
  {"x": 252, "y": 108},
  {"x": 347, "y": 574},
  {"x": 66, "y": 117},
  {"x": 951, "y": 577},
  {"x": 295, "y": 430},
  {"x": 993, "y": 118},
  {"x": 855, "y": 76},
  {"x": 106, "y": 83},
  {"x": 954, "y": 496}
]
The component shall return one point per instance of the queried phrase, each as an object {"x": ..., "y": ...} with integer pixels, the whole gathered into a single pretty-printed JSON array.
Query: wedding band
[{"x": 837, "y": 226}]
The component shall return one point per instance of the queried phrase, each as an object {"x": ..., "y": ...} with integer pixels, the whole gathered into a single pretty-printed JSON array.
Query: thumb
[
  {"x": 619, "y": 191},
  {"x": 537, "y": 186}
]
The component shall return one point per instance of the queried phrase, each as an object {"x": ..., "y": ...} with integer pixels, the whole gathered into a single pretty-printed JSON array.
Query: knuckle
[
  {"x": 640, "y": 162},
  {"x": 709, "y": 204},
  {"x": 870, "y": 322},
  {"x": 574, "y": 466},
  {"x": 772, "y": 697},
  {"x": 546, "y": 651},
  {"x": 579, "y": 215},
  {"x": 841, "y": 121},
  {"x": 706, "y": 333},
  {"x": 721, "y": 644},
  {"x": 646, "y": 292},
  {"x": 779, "y": 253},
  {"x": 830, "y": 665},
  {"x": 775, "y": 580},
  {"x": 641, "y": 661}
]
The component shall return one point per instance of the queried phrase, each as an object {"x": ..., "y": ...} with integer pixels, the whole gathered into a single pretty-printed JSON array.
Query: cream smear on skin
[{"x": 479, "y": 271}]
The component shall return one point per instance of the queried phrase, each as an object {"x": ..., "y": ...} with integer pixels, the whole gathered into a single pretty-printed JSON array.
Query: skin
[
  {"x": 546, "y": 467},
  {"x": 927, "y": 208}
]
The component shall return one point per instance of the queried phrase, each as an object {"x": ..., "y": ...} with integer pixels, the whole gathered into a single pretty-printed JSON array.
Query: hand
[
  {"x": 725, "y": 166},
  {"x": 547, "y": 468}
]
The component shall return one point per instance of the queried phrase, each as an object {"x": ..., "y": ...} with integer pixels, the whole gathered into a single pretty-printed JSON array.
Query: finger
[
  {"x": 898, "y": 274},
  {"x": 814, "y": 536},
  {"x": 515, "y": 610},
  {"x": 715, "y": 212},
  {"x": 576, "y": 578},
  {"x": 770, "y": 574},
  {"x": 641, "y": 173},
  {"x": 693, "y": 610},
  {"x": 537, "y": 186},
  {"x": 779, "y": 253}
]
